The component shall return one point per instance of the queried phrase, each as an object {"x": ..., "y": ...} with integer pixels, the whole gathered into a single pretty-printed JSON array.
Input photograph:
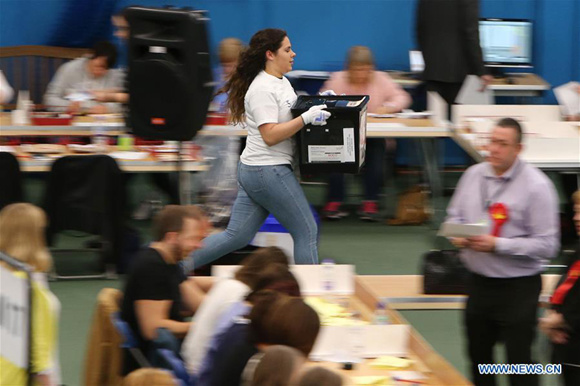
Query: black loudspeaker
[{"x": 170, "y": 78}]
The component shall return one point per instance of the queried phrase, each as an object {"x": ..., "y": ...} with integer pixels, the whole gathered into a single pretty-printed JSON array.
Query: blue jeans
[{"x": 263, "y": 190}]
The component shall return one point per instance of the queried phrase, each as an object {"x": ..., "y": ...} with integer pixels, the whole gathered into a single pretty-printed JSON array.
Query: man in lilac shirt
[{"x": 520, "y": 206}]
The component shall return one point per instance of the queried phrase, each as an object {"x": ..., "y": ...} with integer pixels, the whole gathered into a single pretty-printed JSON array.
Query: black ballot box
[{"x": 340, "y": 145}]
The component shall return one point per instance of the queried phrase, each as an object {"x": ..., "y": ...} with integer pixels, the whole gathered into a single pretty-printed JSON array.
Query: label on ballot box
[
  {"x": 325, "y": 154},
  {"x": 341, "y": 153}
]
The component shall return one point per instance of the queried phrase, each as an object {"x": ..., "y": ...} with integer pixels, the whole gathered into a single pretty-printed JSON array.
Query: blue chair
[
  {"x": 129, "y": 341},
  {"x": 171, "y": 362}
]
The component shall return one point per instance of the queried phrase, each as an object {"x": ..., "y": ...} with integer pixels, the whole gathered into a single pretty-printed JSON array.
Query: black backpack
[{"x": 444, "y": 273}]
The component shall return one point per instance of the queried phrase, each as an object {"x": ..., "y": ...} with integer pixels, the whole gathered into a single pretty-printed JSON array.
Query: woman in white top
[{"x": 262, "y": 97}]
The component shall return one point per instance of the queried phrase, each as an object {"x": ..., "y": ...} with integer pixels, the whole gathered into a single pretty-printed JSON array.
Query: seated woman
[
  {"x": 275, "y": 319},
  {"x": 360, "y": 78},
  {"x": 75, "y": 84},
  {"x": 221, "y": 297},
  {"x": 229, "y": 51},
  {"x": 218, "y": 186},
  {"x": 22, "y": 230},
  {"x": 278, "y": 279}
]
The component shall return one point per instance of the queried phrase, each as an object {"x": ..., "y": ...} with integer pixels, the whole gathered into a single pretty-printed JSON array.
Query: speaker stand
[{"x": 184, "y": 178}]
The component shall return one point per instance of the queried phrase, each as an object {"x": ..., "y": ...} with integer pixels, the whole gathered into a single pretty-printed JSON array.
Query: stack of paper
[{"x": 332, "y": 314}]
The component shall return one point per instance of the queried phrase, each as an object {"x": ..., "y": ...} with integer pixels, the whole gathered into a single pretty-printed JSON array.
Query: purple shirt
[{"x": 531, "y": 234}]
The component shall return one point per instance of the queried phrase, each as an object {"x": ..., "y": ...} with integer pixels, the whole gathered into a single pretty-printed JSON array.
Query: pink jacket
[{"x": 381, "y": 89}]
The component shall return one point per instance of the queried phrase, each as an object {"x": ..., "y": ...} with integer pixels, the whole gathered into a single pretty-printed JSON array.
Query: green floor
[{"x": 373, "y": 248}]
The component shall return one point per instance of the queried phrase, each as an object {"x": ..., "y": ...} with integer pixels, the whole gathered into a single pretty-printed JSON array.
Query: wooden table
[
  {"x": 437, "y": 370},
  {"x": 376, "y": 128},
  {"x": 426, "y": 360},
  {"x": 151, "y": 164},
  {"x": 86, "y": 126},
  {"x": 405, "y": 292},
  {"x": 557, "y": 149},
  {"x": 522, "y": 85},
  {"x": 423, "y": 129},
  {"x": 82, "y": 127},
  {"x": 399, "y": 77}
]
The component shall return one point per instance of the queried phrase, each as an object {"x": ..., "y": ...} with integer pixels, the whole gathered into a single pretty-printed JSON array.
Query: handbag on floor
[
  {"x": 444, "y": 273},
  {"x": 412, "y": 207}
]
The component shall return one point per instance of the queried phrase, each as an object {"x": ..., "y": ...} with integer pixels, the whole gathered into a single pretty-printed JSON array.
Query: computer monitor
[{"x": 506, "y": 42}]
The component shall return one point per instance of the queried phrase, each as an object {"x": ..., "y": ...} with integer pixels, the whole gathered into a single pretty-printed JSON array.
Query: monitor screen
[{"x": 506, "y": 42}]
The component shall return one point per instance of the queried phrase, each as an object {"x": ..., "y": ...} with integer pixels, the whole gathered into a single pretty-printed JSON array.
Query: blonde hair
[
  {"x": 149, "y": 376},
  {"x": 229, "y": 50},
  {"x": 576, "y": 197},
  {"x": 22, "y": 235},
  {"x": 359, "y": 55}
]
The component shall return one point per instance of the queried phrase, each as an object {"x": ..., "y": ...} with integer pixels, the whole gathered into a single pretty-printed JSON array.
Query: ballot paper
[
  {"x": 568, "y": 98},
  {"x": 80, "y": 96},
  {"x": 391, "y": 362},
  {"x": 462, "y": 230},
  {"x": 374, "y": 115},
  {"x": 332, "y": 314},
  {"x": 410, "y": 114},
  {"x": 129, "y": 155}
]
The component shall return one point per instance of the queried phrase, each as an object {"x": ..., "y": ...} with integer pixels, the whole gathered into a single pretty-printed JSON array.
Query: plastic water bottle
[
  {"x": 381, "y": 317},
  {"x": 328, "y": 279},
  {"x": 100, "y": 135}
]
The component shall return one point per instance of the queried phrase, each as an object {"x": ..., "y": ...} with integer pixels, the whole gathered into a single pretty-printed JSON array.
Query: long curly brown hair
[{"x": 252, "y": 61}]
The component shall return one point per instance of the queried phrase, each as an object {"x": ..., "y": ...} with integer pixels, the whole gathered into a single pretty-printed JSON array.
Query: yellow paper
[
  {"x": 332, "y": 314},
  {"x": 390, "y": 362},
  {"x": 324, "y": 308}
]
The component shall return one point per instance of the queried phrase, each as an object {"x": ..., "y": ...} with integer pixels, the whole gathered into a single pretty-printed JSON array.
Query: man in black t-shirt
[{"x": 157, "y": 293}]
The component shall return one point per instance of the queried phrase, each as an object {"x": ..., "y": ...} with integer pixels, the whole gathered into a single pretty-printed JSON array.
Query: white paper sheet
[
  {"x": 568, "y": 98},
  {"x": 462, "y": 230},
  {"x": 129, "y": 155}
]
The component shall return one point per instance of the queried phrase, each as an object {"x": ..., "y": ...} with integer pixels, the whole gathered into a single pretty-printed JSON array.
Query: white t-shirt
[
  {"x": 218, "y": 300},
  {"x": 268, "y": 100}
]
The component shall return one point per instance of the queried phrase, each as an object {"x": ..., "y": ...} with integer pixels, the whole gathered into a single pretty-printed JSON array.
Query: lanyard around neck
[{"x": 486, "y": 203}]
